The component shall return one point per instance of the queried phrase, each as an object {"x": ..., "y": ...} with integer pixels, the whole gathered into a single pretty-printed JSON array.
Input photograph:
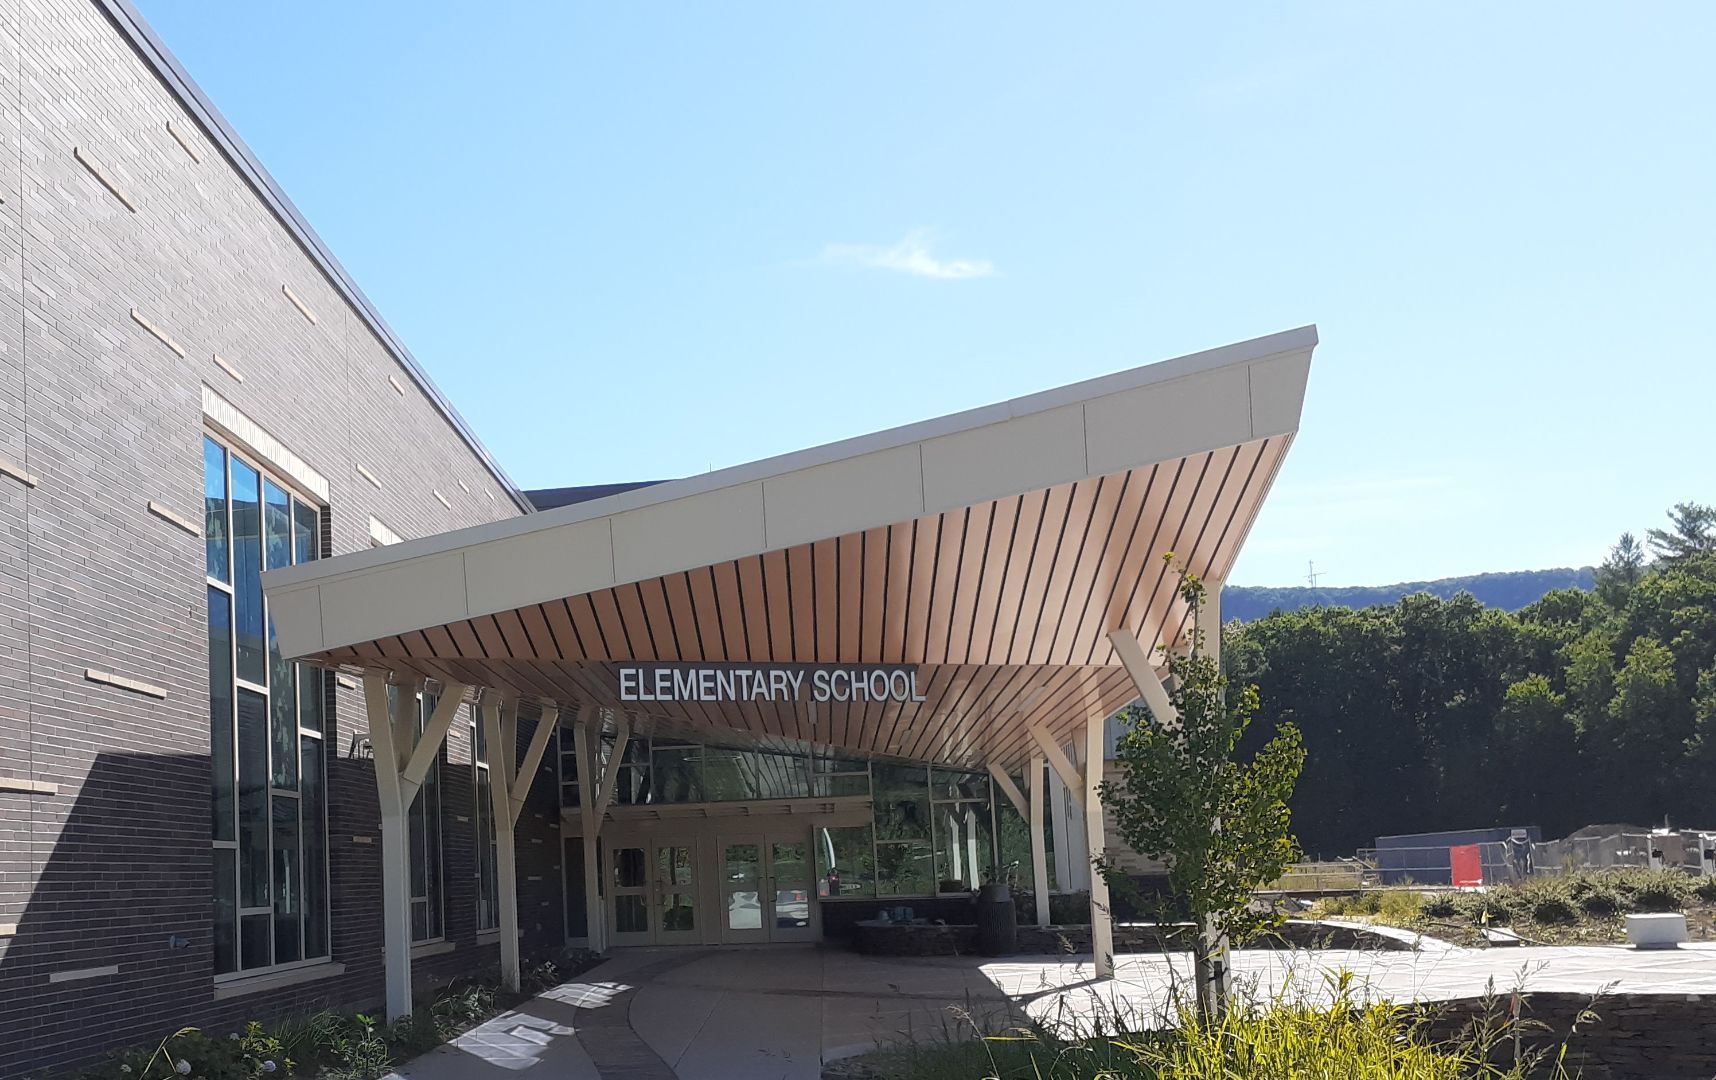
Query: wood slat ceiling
[{"x": 1005, "y": 606}]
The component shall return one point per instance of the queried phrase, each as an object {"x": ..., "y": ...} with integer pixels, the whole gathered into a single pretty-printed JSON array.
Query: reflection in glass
[
  {"x": 791, "y": 867},
  {"x": 630, "y": 868},
  {"x": 315, "y": 849},
  {"x": 631, "y": 914},
  {"x": 677, "y": 774},
  {"x": 903, "y": 868},
  {"x": 225, "y": 910},
  {"x": 253, "y": 825},
  {"x": 247, "y": 572},
  {"x": 743, "y": 869},
  {"x": 673, "y": 865},
  {"x": 677, "y": 912},
  {"x": 219, "y": 557},
  {"x": 845, "y": 862},
  {"x": 220, "y": 714},
  {"x": 288, "y": 911},
  {"x": 305, "y": 541},
  {"x": 253, "y": 940}
]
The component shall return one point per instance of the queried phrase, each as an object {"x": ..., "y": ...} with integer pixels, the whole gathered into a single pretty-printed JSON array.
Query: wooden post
[
  {"x": 402, "y": 759},
  {"x": 1039, "y": 857},
  {"x": 500, "y": 728},
  {"x": 1101, "y": 915},
  {"x": 589, "y": 741}
]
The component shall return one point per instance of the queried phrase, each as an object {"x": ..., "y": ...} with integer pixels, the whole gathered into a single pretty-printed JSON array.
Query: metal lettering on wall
[{"x": 770, "y": 682}]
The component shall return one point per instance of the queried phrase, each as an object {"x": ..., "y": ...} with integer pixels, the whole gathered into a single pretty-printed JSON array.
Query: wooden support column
[
  {"x": 1039, "y": 857},
  {"x": 1058, "y": 760},
  {"x": 402, "y": 759},
  {"x": 507, "y": 793},
  {"x": 590, "y": 827},
  {"x": 1101, "y": 914},
  {"x": 1009, "y": 789}
]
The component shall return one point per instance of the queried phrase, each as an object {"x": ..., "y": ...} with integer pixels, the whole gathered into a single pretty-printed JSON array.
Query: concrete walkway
[{"x": 777, "y": 1013}]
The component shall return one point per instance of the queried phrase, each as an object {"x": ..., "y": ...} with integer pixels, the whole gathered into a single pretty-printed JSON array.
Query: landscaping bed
[
  {"x": 329, "y": 1045},
  {"x": 1502, "y": 1037},
  {"x": 1585, "y": 908},
  {"x": 943, "y": 939}
]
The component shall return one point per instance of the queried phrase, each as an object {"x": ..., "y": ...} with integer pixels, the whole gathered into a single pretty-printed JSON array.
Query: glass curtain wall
[
  {"x": 932, "y": 831},
  {"x": 268, "y": 795}
]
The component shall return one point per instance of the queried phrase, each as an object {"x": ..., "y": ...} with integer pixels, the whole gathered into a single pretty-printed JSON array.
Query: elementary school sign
[{"x": 768, "y": 682}]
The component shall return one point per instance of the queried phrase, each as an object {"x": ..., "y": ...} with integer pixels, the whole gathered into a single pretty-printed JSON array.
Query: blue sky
[{"x": 638, "y": 241}]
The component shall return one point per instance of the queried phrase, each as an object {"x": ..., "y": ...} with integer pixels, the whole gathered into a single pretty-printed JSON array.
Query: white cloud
[{"x": 911, "y": 255}]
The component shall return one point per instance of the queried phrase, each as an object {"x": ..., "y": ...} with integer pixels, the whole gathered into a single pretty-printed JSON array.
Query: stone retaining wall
[{"x": 1624, "y": 1037}]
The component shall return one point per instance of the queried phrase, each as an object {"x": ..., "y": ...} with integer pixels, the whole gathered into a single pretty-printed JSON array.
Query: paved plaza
[{"x": 778, "y": 1013}]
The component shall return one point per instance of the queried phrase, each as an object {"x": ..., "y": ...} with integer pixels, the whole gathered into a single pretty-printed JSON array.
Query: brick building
[
  {"x": 157, "y": 290},
  {"x": 258, "y": 582}
]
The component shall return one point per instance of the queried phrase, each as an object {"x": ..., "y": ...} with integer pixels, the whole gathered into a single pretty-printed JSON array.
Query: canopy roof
[{"x": 995, "y": 549}]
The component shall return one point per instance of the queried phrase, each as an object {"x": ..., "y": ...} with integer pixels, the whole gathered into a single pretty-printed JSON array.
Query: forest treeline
[
  {"x": 1509, "y": 590},
  {"x": 1424, "y": 714}
]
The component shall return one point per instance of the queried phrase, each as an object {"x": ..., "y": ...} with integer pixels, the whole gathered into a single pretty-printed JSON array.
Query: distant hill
[{"x": 1510, "y": 590}]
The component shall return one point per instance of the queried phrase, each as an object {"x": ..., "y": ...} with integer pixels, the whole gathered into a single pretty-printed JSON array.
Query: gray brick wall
[{"x": 115, "y": 865}]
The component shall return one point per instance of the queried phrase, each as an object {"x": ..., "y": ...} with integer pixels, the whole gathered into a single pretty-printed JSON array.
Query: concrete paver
[{"x": 777, "y": 1013}]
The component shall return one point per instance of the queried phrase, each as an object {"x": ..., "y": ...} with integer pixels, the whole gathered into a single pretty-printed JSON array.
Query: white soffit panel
[
  {"x": 297, "y": 617},
  {"x": 1155, "y": 423},
  {"x": 1278, "y": 392},
  {"x": 844, "y": 496},
  {"x": 1032, "y": 452},
  {"x": 694, "y": 531},
  {"x": 427, "y": 591},
  {"x": 516, "y": 570}
]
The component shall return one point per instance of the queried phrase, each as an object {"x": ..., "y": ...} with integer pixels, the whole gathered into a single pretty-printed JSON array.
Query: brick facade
[{"x": 114, "y": 201}]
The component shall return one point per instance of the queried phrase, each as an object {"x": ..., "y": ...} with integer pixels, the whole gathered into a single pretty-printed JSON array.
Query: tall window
[
  {"x": 488, "y": 902},
  {"x": 269, "y": 798},
  {"x": 424, "y": 821}
]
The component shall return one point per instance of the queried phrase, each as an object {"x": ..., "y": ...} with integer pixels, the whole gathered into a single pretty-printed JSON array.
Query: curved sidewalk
[{"x": 778, "y": 1013}]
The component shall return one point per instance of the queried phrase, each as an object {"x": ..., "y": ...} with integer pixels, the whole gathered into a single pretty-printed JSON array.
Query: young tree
[
  {"x": 1220, "y": 824},
  {"x": 1620, "y": 571}
]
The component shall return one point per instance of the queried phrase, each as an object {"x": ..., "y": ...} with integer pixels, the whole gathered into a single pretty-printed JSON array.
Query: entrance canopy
[{"x": 988, "y": 555}]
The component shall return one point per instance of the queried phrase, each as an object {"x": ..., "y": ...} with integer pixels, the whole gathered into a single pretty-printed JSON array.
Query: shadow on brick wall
[{"x": 116, "y": 934}]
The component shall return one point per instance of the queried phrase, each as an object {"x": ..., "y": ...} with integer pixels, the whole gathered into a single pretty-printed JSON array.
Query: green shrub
[
  {"x": 1494, "y": 906},
  {"x": 1553, "y": 908},
  {"x": 1400, "y": 907},
  {"x": 1705, "y": 890},
  {"x": 360, "y": 1051},
  {"x": 1656, "y": 890},
  {"x": 1440, "y": 906},
  {"x": 1601, "y": 903},
  {"x": 1373, "y": 1041}
]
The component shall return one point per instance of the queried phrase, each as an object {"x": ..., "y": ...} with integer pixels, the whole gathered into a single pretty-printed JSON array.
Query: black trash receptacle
[{"x": 997, "y": 925}]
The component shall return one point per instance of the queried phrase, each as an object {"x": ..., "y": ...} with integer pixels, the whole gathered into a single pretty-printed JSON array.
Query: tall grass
[{"x": 1346, "y": 1036}]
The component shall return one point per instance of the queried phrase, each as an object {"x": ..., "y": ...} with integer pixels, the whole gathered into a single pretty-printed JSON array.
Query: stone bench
[{"x": 1657, "y": 931}]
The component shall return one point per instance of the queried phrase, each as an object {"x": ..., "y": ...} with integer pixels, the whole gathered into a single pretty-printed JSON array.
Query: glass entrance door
[
  {"x": 675, "y": 892},
  {"x": 652, "y": 895},
  {"x": 629, "y": 892},
  {"x": 742, "y": 904},
  {"x": 767, "y": 893},
  {"x": 790, "y": 883}
]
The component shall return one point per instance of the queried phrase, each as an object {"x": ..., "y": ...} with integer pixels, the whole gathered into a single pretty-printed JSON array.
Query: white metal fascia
[{"x": 1159, "y": 412}]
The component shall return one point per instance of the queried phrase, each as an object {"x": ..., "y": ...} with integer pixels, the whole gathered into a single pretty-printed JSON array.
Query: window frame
[
  {"x": 296, "y": 496},
  {"x": 429, "y": 789},
  {"x": 481, "y": 845}
]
